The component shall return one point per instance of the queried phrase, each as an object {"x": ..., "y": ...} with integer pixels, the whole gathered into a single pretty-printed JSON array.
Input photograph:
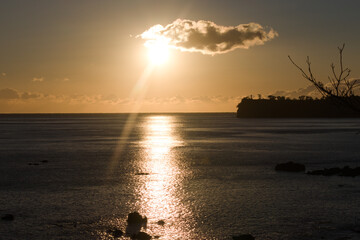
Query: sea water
[{"x": 207, "y": 176}]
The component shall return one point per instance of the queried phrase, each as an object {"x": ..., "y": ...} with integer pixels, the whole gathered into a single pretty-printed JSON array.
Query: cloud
[
  {"x": 13, "y": 100},
  {"x": 215, "y": 100},
  {"x": 13, "y": 94},
  {"x": 3, "y": 74},
  {"x": 66, "y": 79},
  {"x": 38, "y": 79},
  {"x": 207, "y": 37},
  {"x": 9, "y": 94},
  {"x": 307, "y": 91},
  {"x": 29, "y": 95}
]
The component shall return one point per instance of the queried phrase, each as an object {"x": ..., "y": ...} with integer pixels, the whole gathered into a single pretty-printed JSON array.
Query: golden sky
[{"x": 92, "y": 56}]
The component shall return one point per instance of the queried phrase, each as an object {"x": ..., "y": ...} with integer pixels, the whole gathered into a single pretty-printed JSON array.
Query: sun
[{"x": 158, "y": 52}]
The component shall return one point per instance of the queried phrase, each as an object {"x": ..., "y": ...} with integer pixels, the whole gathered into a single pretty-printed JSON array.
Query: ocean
[{"x": 206, "y": 175}]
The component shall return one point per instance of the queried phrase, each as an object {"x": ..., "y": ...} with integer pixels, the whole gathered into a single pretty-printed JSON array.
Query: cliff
[{"x": 293, "y": 108}]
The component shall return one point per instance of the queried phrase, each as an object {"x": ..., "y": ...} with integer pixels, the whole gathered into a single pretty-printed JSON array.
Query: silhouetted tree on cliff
[{"x": 340, "y": 87}]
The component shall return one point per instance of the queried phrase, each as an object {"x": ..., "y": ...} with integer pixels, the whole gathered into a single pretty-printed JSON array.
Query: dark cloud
[
  {"x": 9, "y": 94},
  {"x": 207, "y": 37}
]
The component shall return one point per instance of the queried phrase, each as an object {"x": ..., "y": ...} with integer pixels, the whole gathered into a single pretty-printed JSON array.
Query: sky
[{"x": 92, "y": 56}]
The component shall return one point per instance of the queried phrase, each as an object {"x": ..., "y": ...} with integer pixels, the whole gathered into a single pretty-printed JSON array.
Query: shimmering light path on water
[{"x": 160, "y": 185}]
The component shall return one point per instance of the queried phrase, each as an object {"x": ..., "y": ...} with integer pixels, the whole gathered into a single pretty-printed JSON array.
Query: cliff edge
[{"x": 294, "y": 108}]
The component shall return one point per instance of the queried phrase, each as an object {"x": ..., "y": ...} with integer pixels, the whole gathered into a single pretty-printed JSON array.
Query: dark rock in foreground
[
  {"x": 117, "y": 233},
  {"x": 142, "y": 236},
  {"x": 135, "y": 223},
  {"x": 8, "y": 217},
  {"x": 243, "y": 237},
  {"x": 345, "y": 172},
  {"x": 136, "y": 218},
  {"x": 290, "y": 167}
]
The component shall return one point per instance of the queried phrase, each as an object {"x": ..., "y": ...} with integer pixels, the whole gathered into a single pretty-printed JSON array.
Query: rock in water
[
  {"x": 350, "y": 172},
  {"x": 142, "y": 236},
  {"x": 135, "y": 223},
  {"x": 161, "y": 222},
  {"x": 8, "y": 217},
  {"x": 290, "y": 167},
  {"x": 336, "y": 171},
  {"x": 136, "y": 218},
  {"x": 117, "y": 233},
  {"x": 326, "y": 172},
  {"x": 243, "y": 237}
]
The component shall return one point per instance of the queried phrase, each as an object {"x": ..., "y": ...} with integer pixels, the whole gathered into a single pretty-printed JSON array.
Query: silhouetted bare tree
[{"x": 340, "y": 87}]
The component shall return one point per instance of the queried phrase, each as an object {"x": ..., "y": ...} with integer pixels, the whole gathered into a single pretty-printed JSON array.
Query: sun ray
[{"x": 138, "y": 93}]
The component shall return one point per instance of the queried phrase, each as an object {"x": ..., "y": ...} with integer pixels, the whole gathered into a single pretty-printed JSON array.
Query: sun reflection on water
[{"x": 161, "y": 190}]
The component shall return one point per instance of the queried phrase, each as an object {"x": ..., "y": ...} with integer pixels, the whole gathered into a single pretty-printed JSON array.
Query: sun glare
[{"x": 158, "y": 52}]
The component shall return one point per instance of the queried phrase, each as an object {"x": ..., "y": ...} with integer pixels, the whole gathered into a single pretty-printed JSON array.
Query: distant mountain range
[{"x": 305, "y": 107}]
